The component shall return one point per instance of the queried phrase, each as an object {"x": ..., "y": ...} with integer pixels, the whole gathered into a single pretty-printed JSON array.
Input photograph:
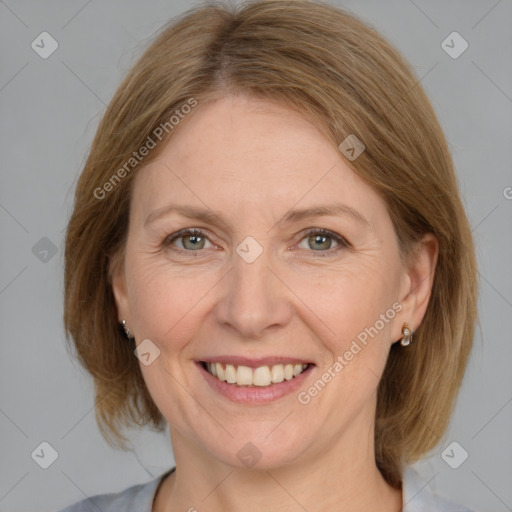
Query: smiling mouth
[{"x": 262, "y": 376}]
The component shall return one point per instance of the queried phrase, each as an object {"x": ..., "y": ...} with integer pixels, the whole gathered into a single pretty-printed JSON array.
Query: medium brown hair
[{"x": 337, "y": 70}]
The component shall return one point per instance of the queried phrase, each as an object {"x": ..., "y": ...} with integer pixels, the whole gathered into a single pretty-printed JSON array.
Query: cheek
[
  {"x": 351, "y": 301},
  {"x": 358, "y": 304},
  {"x": 170, "y": 302},
  {"x": 165, "y": 302}
]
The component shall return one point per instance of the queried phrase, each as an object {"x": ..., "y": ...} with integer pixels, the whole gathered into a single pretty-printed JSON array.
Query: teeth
[
  {"x": 244, "y": 376},
  {"x": 297, "y": 370},
  {"x": 221, "y": 374},
  {"x": 230, "y": 374},
  {"x": 261, "y": 376},
  {"x": 277, "y": 373}
]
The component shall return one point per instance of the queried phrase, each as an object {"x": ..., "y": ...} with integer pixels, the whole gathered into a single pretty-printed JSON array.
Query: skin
[{"x": 250, "y": 161}]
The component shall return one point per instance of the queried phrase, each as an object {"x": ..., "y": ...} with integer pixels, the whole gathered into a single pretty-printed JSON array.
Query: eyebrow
[
  {"x": 323, "y": 211},
  {"x": 291, "y": 216}
]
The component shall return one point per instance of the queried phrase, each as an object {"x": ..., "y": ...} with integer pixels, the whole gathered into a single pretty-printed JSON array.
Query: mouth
[
  {"x": 261, "y": 376},
  {"x": 254, "y": 382}
]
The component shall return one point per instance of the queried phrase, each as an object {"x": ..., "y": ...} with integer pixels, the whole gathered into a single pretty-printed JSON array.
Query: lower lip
[{"x": 254, "y": 394}]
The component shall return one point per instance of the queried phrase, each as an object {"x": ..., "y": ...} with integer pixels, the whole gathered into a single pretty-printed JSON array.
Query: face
[{"x": 262, "y": 286}]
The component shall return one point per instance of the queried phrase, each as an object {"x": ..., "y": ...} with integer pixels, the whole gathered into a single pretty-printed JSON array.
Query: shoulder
[
  {"x": 138, "y": 498},
  {"x": 418, "y": 496}
]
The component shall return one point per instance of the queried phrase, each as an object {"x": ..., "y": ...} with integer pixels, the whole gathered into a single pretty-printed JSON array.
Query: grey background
[{"x": 50, "y": 110}]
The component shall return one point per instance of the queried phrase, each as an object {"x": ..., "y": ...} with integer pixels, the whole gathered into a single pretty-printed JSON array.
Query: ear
[
  {"x": 119, "y": 288},
  {"x": 417, "y": 283}
]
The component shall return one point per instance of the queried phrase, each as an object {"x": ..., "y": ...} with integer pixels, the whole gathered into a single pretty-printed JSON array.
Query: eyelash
[{"x": 341, "y": 241}]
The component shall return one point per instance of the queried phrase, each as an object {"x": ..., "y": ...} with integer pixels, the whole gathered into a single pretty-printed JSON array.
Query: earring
[
  {"x": 126, "y": 329},
  {"x": 407, "y": 338}
]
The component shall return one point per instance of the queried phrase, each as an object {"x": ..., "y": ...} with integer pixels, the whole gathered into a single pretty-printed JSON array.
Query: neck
[{"x": 343, "y": 477}]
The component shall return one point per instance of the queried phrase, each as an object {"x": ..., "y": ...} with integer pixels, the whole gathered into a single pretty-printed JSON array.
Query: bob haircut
[{"x": 337, "y": 71}]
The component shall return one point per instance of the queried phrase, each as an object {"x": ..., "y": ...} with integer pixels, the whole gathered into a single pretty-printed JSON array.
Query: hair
[{"x": 332, "y": 68}]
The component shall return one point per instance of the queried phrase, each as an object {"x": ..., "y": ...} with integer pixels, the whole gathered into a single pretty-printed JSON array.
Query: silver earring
[
  {"x": 407, "y": 338},
  {"x": 126, "y": 329}
]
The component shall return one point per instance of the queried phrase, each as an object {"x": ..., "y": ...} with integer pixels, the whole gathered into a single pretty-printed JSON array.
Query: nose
[{"x": 255, "y": 300}]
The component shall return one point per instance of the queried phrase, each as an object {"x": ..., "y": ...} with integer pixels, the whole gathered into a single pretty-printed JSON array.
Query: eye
[
  {"x": 191, "y": 239},
  {"x": 317, "y": 240},
  {"x": 321, "y": 240}
]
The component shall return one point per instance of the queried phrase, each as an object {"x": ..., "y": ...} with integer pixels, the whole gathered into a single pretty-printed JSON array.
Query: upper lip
[{"x": 255, "y": 362}]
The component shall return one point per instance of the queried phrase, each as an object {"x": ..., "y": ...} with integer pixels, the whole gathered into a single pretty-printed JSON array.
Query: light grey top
[{"x": 417, "y": 497}]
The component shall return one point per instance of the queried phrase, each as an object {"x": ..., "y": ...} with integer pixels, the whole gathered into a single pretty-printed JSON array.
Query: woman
[{"x": 268, "y": 252}]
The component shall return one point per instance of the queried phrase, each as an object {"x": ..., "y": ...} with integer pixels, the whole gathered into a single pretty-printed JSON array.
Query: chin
[{"x": 252, "y": 449}]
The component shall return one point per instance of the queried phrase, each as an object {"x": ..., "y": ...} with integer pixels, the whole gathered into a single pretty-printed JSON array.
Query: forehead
[{"x": 246, "y": 152}]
